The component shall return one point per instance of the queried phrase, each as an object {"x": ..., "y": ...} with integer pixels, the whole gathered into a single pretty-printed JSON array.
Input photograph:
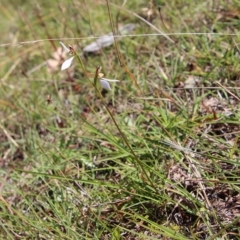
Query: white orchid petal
[
  {"x": 67, "y": 63},
  {"x": 64, "y": 46},
  {"x": 110, "y": 80},
  {"x": 105, "y": 84}
]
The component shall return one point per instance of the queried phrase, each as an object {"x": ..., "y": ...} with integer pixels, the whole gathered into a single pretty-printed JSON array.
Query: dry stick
[
  {"x": 161, "y": 17},
  {"x": 6, "y": 204},
  {"x": 9, "y": 136},
  {"x": 218, "y": 83}
]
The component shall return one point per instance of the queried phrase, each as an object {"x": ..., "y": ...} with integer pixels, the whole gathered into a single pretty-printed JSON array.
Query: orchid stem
[{"x": 94, "y": 84}]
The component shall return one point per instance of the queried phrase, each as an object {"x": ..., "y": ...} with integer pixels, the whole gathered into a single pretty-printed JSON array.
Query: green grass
[{"x": 171, "y": 172}]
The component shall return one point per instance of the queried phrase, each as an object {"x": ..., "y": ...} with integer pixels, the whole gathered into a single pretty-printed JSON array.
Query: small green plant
[{"x": 105, "y": 84}]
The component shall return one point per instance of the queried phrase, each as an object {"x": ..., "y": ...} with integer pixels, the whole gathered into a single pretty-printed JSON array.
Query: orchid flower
[
  {"x": 105, "y": 82},
  {"x": 66, "y": 64}
]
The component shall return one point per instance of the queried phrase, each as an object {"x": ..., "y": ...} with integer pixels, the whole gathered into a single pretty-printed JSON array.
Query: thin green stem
[{"x": 94, "y": 84}]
